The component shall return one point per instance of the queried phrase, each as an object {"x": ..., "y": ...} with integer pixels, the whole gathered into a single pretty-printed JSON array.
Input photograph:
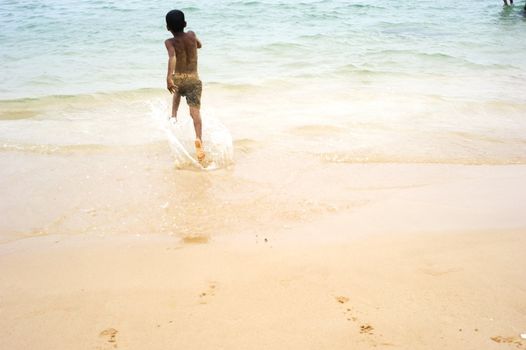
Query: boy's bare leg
[
  {"x": 175, "y": 104},
  {"x": 196, "y": 116}
]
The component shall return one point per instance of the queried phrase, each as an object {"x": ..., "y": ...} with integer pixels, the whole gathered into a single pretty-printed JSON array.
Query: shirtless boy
[{"x": 182, "y": 78}]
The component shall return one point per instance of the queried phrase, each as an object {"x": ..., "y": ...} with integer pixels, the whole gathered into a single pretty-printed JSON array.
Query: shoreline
[{"x": 249, "y": 199}]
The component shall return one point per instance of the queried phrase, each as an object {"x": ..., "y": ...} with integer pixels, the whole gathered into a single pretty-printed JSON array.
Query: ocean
[{"x": 302, "y": 88}]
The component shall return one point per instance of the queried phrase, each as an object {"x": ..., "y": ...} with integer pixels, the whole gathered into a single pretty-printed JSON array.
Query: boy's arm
[
  {"x": 172, "y": 58},
  {"x": 199, "y": 45}
]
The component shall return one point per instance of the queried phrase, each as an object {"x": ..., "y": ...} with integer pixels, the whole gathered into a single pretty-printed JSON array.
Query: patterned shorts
[{"x": 190, "y": 87}]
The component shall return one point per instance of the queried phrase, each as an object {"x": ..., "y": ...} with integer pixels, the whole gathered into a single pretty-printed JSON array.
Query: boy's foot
[{"x": 199, "y": 150}]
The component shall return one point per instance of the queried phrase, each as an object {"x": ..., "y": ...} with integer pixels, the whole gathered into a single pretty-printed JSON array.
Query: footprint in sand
[
  {"x": 342, "y": 299},
  {"x": 510, "y": 340},
  {"x": 348, "y": 312},
  {"x": 210, "y": 292},
  {"x": 109, "y": 338},
  {"x": 365, "y": 328}
]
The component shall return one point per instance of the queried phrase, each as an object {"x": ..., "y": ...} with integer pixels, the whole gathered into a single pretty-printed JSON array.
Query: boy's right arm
[{"x": 171, "y": 66}]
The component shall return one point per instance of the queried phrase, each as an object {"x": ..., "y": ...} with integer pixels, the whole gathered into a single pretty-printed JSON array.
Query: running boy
[{"x": 182, "y": 78}]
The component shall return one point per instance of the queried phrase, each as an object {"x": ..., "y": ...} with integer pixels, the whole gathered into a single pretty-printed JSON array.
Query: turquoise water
[
  {"x": 72, "y": 47},
  {"x": 341, "y": 81}
]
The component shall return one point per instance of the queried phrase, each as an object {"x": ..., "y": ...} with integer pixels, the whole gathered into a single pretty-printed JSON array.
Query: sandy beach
[
  {"x": 363, "y": 185},
  {"x": 427, "y": 267}
]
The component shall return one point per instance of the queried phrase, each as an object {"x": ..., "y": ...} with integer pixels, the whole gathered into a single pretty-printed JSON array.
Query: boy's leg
[
  {"x": 193, "y": 97},
  {"x": 196, "y": 116},
  {"x": 175, "y": 104}
]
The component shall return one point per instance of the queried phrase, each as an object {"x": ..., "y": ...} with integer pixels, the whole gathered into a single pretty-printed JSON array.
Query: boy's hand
[{"x": 171, "y": 86}]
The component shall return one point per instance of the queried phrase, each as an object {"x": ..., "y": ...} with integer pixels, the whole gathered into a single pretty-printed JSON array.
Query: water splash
[{"x": 217, "y": 141}]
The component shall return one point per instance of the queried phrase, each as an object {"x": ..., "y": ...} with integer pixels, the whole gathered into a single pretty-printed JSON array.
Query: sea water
[
  {"x": 447, "y": 77},
  {"x": 70, "y": 47},
  {"x": 299, "y": 85}
]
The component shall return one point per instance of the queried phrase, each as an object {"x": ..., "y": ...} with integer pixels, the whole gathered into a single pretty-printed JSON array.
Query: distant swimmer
[
  {"x": 508, "y": 2},
  {"x": 182, "y": 78}
]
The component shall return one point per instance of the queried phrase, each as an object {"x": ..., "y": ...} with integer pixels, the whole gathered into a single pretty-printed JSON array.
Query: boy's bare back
[{"x": 184, "y": 46}]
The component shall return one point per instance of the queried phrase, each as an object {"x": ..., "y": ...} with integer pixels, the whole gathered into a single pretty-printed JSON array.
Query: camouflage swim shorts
[{"x": 191, "y": 87}]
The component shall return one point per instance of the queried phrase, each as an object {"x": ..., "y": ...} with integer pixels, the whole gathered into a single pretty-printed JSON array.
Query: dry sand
[{"x": 440, "y": 267}]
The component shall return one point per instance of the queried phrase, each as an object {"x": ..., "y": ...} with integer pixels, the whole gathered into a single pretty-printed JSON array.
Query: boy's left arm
[{"x": 199, "y": 45}]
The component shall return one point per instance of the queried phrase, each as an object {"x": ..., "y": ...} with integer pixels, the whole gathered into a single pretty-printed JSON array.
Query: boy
[{"x": 182, "y": 78}]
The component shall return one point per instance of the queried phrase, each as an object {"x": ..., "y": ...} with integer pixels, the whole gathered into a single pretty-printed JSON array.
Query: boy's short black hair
[{"x": 175, "y": 21}]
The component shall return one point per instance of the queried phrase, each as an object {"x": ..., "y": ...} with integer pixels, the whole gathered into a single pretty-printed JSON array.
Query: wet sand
[{"x": 439, "y": 266}]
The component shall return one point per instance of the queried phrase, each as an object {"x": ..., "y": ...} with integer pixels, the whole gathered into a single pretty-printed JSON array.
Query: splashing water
[{"x": 217, "y": 141}]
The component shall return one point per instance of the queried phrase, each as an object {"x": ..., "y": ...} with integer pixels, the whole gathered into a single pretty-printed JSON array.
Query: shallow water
[{"x": 305, "y": 89}]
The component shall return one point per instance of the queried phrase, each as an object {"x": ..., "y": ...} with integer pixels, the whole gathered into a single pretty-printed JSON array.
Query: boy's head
[{"x": 175, "y": 21}]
